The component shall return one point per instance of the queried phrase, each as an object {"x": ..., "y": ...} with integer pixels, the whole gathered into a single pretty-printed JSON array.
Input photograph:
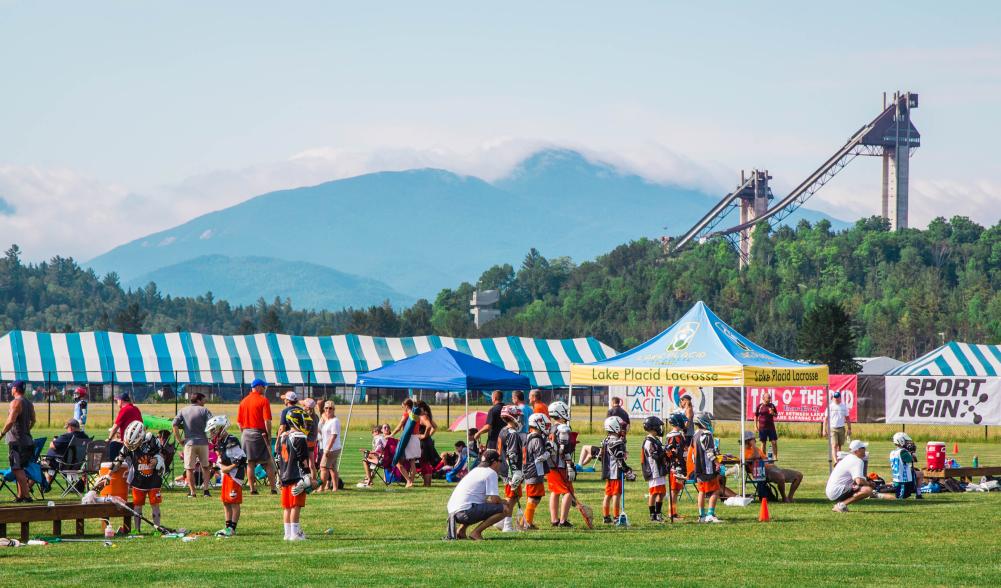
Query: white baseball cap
[
  {"x": 857, "y": 444},
  {"x": 291, "y": 396}
]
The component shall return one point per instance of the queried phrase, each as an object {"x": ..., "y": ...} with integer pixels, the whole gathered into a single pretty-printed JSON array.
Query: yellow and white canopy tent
[{"x": 700, "y": 350}]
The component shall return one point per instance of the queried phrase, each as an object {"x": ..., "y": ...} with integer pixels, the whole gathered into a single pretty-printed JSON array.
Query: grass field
[{"x": 385, "y": 537}]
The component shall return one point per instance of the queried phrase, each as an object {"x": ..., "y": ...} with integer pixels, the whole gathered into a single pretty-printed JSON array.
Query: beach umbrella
[{"x": 474, "y": 419}]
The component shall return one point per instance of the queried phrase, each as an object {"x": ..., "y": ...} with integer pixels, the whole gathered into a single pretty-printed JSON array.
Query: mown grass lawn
[{"x": 385, "y": 537}]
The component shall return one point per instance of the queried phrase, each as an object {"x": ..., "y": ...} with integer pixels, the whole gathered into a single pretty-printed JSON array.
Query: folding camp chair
[
  {"x": 69, "y": 467},
  {"x": 756, "y": 476},
  {"x": 36, "y": 479},
  {"x": 94, "y": 456},
  {"x": 458, "y": 470},
  {"x": 389, "y": 474}
]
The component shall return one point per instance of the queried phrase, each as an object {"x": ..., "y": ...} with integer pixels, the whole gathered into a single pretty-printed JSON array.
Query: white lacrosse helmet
[
  {"x": 133, "y": 435},
  {"x": 216, "y": 426},
  {"x": 614, "y": 424},
  {"x": 559, "y": 410},
  {"x": 540, "y": 421},
  {"x": 901, "y": 439}
]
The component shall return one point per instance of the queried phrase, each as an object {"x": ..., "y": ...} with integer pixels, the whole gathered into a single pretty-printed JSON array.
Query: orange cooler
[{"x": 118, "y": 486}]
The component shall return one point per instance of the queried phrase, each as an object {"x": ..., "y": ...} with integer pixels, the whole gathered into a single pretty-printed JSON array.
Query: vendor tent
[
  {"x": 956, "y": 384},
  {"x": 700, "y": 350},
  {"x": 178, "y": 358},
  {"x": 442, "y": 369}
]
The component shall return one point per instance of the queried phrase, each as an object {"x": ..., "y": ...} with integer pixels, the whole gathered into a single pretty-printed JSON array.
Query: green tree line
[{"x": 896, "y": 293}]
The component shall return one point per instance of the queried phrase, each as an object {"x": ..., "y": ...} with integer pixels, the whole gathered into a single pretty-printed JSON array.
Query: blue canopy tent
[{"x": 442, "y": 369}]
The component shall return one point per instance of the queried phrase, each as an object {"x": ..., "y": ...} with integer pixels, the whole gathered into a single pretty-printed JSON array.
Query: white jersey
[{"x": 902, "y": 466}]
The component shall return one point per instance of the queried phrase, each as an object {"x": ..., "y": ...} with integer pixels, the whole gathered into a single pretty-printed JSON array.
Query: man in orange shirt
[
  {"x": 535, "y": 400},
  {"x": 254, "y": 419}
]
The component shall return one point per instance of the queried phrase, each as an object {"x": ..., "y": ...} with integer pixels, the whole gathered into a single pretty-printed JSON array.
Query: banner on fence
[
  {"x": 806, "y": 404},
  {"x": 643, "y": 401},
  {"x": 943, "y": 400}
]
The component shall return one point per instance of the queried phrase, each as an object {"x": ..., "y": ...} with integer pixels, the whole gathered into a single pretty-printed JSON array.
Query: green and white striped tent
[
  {"x": 193, "y": 358},
  {"x": 954, "y": 359}
]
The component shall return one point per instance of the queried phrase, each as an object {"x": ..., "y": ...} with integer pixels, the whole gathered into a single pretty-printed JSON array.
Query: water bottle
[
  {"x": 109, "y": 531},
  {"x": 770, "y": 457},
  {"x": 976, "y": 461}
]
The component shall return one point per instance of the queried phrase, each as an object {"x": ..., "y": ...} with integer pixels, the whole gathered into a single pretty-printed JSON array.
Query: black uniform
[
  {"x": 293, "y": 459},
  {"x": 536, "y": 462},
  {"x": 613, "y": 458},
  {"x": 144, "y": 462}
]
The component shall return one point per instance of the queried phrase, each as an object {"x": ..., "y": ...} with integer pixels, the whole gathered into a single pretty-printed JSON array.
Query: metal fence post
[
  {"x": 48, "y": 397},
  {"x": 176, "y": 408},
  {"x": 590, "y": 414}
]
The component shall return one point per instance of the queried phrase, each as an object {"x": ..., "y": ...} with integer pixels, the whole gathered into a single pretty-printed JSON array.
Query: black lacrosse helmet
[{"x": 654, "y": 424}]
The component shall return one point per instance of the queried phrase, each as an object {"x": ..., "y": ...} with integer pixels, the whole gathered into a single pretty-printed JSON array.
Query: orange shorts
[
  {"x": 658, "y": 490},
  {"x": 231, "y": 492},
  {"x": 290, "y": 501},
  {"x": 709, "y": 487},
  {"x": 139, "y": 496},
  {"x": 677, "y": 484},
  {"x": 535, "y": 490},
  {"x": 613, "y": 487},
  {"x": 557, "y": 483},
  {"x": 512, "y": 492}
]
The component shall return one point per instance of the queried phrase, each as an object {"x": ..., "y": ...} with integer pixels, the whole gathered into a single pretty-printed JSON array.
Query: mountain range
[{"x": 407, "y": 234}]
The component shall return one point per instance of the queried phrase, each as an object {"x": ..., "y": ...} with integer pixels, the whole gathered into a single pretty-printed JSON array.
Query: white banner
[
  {"x": 942, "y": 400},
  {"x": 643, "y": 401}
]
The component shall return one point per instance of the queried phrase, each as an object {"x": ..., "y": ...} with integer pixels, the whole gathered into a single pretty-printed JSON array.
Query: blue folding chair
[
  {"x": 36, "y": 479},
  {"x": 456, "y": 473}
]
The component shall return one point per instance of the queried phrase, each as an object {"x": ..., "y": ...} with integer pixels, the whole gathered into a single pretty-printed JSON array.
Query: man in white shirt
[
  {"x": 848, "y": 483},
  {"x": 476, "y": 500},
  {"x": 839, "y": 422}
]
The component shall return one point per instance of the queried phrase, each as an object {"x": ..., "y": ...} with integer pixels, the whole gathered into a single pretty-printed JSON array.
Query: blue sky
[{"x": 120, "y": 118}]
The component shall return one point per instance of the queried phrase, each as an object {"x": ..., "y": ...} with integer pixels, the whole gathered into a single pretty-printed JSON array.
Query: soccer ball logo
[
  {"x": 683, "y": 337},
  {"x": 971, "y": 409}
]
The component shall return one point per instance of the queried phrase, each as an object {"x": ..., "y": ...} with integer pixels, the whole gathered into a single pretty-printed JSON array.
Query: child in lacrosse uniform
[
  {"x": 654, "y": 466},
  {"x": 703, "y": 463},
  {"x": 232, "y": 463},
  {"x": 902, "y": 466},
  {"x": 674, "y": 450},
  {"x": 296, "y": 471},
  {"x": 562, "y": 472},
  {"x": 511, "y": 442},
  {"x": 613, "y": 466},
  {"x": 141, "y": 455},
  {"x": 536, "y": 464}
]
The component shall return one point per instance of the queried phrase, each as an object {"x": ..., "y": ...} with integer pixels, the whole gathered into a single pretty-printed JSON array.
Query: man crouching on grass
[
  {"x": 848, "y": 483},
  {"x": 476, "y": 500}
]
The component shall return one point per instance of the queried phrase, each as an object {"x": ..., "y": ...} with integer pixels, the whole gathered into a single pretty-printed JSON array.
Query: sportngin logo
[{"x": 683, "y": 337}]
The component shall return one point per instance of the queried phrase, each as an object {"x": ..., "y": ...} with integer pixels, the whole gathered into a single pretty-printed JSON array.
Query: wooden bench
[
  {"x": 59, "y": 513},
  {"x": 965, "y": 474}
]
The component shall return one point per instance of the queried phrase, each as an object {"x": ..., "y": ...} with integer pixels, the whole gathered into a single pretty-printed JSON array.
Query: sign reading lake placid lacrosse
[
  {"x": 943, "y": 400},
  {"x": 643, "y": 401}
]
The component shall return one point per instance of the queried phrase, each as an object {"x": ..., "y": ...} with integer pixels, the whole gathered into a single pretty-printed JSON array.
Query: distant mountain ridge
[
  {"x": 244, "y": 280},
  {"x": 422, "y": 230}
]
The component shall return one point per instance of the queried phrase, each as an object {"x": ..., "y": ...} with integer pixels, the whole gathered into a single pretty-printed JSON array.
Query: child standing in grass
[
  {"x": 296, "y": 471},
  {"x": 232, "y": 462},
  {"x": 536, "y": 465},
  {"x": 562, "y": 473},
  {"x": 674, "y": 450},
  {"x": 613, "y": 466},
  {"x": 654, "y": 467},
  {"x": 703, "y": 463},
  {"x": 512, "y": 443}
]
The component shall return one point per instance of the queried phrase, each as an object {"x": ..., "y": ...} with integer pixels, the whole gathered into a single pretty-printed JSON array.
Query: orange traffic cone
[
  {"x": 955, "y": 448},
  {"x": 763, "y": 516}
]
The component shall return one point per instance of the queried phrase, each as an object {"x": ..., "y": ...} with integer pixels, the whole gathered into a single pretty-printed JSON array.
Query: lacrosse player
[
  {"x": 512, "y": 442},
  {"x": 296, "y": 470},
  {"x": 674, "y": 449},
  {"x": 702, "y": 461},
  {"x": 536, "y": 465},
  {"x": 613, "y": 466},
  {"x": 562, "y": 472},
  {"x": 141, "y": 455},
  {"x": 654, "y": 466},
  {"x": 232, "y": 462}
]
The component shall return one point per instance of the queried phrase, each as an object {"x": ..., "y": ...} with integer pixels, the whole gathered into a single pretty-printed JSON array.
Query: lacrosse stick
[
  {"x": 585, "y": 510},
  {"x": 160, "y": 528},
  {"x": 623, "y": 520}
]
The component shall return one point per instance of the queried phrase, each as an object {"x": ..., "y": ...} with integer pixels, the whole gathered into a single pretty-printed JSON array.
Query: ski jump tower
[{"x": 891, "y": 135}]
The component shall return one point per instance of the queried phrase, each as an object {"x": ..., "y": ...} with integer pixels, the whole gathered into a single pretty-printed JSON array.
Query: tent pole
[
  {"x": 466, "y": 419},
  {"x": 570, "y": 400},
  {"x": 344, "y": 435},
  {"x": 740, "y": 443},
  {"x": 830, "y": 434},
  {"x": 448, "y": 407}
]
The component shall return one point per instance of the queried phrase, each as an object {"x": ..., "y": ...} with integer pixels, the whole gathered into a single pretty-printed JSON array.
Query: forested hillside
[{"x": 905, "y": 291}]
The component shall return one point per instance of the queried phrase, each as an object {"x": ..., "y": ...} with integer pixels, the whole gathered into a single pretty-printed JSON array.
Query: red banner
[{"x": 806, "y": 404}]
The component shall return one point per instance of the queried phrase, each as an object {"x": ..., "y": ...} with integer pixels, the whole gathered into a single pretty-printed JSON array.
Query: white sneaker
[
  {"x": 840, "y": 507},
  {"x": 508, "y": 527},
  {"x": 711, "y": 519}
]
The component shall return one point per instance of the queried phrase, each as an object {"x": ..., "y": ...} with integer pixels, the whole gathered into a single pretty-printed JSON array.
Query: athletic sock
[
  {"x": 617, "y": 509},
  {"x": 653, "y": 508},
  {"x": 711, "y": 511},
  {"x": 659, "y": 506},
  {"x": 288, "y": 530},
  {"x": 530, "y": 512},
  {"x": 702, "y": 513}
]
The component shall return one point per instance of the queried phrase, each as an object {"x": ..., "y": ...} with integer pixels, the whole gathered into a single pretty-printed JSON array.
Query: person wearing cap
[
  {"x": 848, "y": 483},
  {"x": 60, "y": 445},
  {"x": 476, "y": 499},
  {"x": 128, "y": 413},
  {"x": 189, "y": 430},
  {"x": 17, "y": 433},
  {"x": 839, "y": 422},
  {"x": 80, "y": 406},
  {"x": 254, "y": 420},
  {"x": 291, "y": 400},
  {"x": 757, "y": 465}
]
